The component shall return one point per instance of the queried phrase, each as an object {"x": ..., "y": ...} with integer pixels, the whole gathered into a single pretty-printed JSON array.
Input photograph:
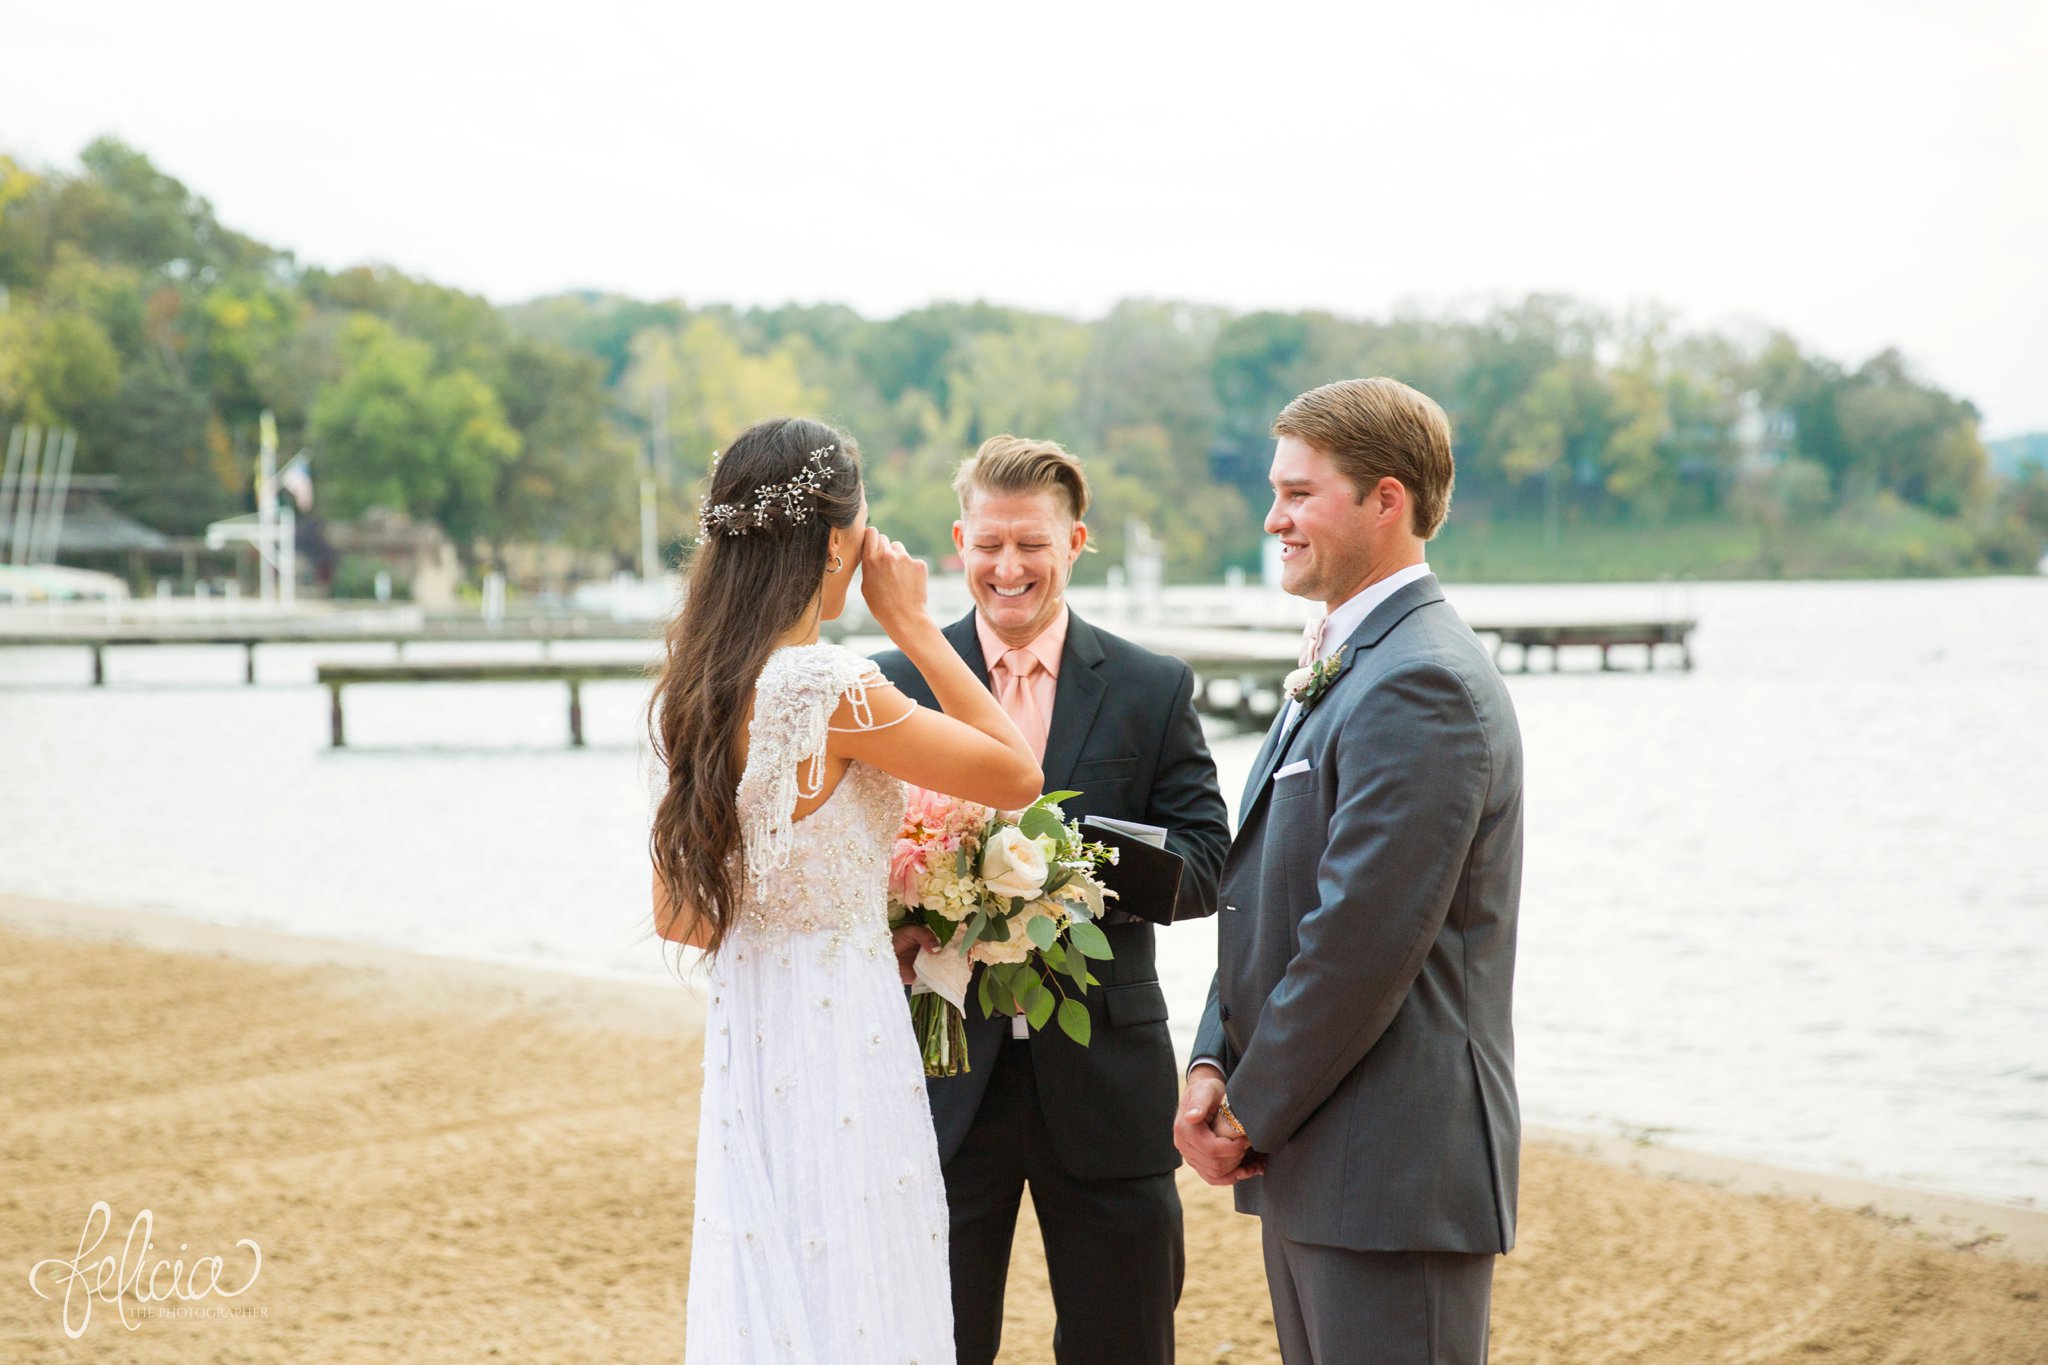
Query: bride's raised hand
[
  {"x": 968, "y": 748},
  {"x": 893, "y": 584}
]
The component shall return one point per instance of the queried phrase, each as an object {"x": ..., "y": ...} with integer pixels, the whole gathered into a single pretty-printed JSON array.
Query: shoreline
[
  {"x": 668, "y": 1007},
  {"x": 592, "y": 999},
  {"x": 444, "y": 1161}
]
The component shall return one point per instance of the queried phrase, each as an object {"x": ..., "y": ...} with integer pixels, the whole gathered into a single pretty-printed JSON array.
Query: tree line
[{"x": 128, "y": 311}]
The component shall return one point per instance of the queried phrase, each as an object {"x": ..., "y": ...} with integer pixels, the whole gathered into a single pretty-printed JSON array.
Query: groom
[
  {"x": 1086, "y": 1128},
  {"x": 1354, "y": 1070}
]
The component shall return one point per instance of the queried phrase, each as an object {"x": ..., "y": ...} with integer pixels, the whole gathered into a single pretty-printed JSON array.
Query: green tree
[
  {"x": 177, "y": 467},
  {"x": 1912, "y": 439},
  {"x": 710, "y": 390},
  {"x": 55, "y": 368},
  {"x": 1256, "y": 369},
  {"x": 395, "y": 432},
  {"x": 236, "y": 331},
  {"x": 1634, "y": 472},
  {"x": 575, "y": 479},
  {"x": 125, "y": 209},
  {"x": 602, "y": 325},
  {"x": 1138, "y": 477},
  {"x": 1147, "y": 364},
  {"x": 24, "y": 226},
  {"x": 1022, "y": 382}
]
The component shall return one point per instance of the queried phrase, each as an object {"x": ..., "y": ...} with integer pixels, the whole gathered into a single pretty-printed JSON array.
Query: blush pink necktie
[
  {"x": 1020, "y": 698},
  {"x": 1311, "y": 641}
]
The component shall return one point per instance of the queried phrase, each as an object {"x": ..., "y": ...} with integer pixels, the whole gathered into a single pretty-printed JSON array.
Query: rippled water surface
[{"x": 1792, "y": 905}]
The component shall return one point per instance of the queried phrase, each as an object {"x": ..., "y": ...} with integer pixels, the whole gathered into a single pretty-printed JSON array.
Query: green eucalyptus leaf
[
  {"x": 1077, "y": 971},
  {"x": 1090, "y": 940},
  {"x": 1074, "y": 1021},
  {"x": 1043, "y": 1002},
  {"x": 1040, "y": 823}
]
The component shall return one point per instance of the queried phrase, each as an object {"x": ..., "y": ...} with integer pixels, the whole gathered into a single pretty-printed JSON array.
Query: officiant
[{"x": 1087, "y": 1129}]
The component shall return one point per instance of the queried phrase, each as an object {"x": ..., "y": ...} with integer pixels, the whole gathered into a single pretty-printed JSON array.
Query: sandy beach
[{"x": 444, "y": 1161}]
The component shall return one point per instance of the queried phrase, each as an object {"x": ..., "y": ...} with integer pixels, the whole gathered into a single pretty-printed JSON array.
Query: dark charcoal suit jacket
[
  {"x": 1366, "y": 948},
  {"x": 1125, "y": 735}
]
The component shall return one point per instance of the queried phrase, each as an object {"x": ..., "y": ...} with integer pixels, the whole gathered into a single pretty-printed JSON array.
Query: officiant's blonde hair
[
  {"x": 1379, "y": 429},
  {"x": 1016, "y": 464}
]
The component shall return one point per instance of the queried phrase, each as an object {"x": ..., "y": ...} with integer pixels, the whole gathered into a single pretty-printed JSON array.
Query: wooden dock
[
  {"x": 544, "y": 631},
  {"x": 1606, "y": 636},
  {"x": 335, "y": 677},
  {"x": 1238, "y": 670}
]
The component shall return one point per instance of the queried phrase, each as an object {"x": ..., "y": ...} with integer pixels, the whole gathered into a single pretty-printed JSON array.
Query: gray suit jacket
[{"x": 1365, "y": 967}]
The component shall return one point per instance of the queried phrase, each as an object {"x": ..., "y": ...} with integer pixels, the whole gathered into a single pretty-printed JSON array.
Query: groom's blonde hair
[
  {"x": 1379, "y": 429},
  {"x": 1016, "y": 464}
]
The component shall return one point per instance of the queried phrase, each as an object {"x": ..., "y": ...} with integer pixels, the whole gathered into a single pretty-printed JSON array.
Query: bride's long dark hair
[{"x": 743, "y": 594}]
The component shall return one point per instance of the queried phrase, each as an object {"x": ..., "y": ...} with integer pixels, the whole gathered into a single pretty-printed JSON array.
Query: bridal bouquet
[{"x": 1011, "y": 892}]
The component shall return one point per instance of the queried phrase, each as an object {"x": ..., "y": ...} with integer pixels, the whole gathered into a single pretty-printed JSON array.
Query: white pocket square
[{"x": 1300, "y": 765}]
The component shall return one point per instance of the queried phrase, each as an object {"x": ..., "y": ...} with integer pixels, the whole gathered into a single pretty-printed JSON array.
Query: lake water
[{"x": 1790, "y": 906}]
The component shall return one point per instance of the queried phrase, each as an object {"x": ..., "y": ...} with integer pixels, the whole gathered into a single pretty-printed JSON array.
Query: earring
[{"x": 834, "y": 564}]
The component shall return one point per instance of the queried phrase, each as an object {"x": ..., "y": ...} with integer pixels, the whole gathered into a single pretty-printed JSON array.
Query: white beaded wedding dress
[{"x": 820, "y": 1231}]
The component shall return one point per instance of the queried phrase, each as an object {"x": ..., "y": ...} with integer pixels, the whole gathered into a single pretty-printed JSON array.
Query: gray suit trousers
[{"x": 1335, "y": 1306}]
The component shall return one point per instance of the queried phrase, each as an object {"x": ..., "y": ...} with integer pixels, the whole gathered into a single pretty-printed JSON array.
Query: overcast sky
[{"x": 1865, "y": 173}]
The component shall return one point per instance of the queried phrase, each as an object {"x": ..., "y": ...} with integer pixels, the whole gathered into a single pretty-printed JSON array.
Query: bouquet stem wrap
[{"x": 941, "y": 1034}]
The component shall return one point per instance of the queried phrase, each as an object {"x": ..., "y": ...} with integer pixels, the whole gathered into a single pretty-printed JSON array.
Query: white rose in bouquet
[{"x": 1013, "y": 864}]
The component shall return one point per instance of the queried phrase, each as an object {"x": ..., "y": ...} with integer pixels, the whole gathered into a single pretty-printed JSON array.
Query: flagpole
[
  {"x": 25, "y": 508},
  {"x": 287, "y": 554},
  {"x": 53, "y": 504},
  {"x": 657, "y": 457},
  {"x": 15, "y": 437},
  {"x": 266, "y": 509}
]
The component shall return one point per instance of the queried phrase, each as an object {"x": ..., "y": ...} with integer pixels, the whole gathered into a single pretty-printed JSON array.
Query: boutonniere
[{"x": 1305, "y": 685}]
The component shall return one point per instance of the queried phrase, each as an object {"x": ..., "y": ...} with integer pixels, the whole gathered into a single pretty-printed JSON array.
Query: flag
[{"x": 296, "y": 479}]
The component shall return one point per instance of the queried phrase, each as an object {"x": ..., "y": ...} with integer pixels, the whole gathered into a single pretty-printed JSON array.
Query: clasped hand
[
  {"x": 907, "y": 941},
  {"x": 1205, "y": 1139}
]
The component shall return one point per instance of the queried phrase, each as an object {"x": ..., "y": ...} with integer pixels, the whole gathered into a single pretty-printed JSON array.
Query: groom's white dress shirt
[
  {"x": 1337, "y": 628},
  {"x": 1351, "y": 614}
]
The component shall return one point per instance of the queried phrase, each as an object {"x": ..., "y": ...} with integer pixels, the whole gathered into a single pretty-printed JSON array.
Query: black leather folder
[{"x": 1145, "y": 877}]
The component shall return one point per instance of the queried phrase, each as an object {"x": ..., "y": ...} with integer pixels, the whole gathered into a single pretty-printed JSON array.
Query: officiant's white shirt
[{"x": 1337, "y": 628}]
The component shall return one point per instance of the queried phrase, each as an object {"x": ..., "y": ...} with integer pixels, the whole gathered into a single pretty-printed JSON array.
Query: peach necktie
[
  {"x": 1019, "y": 697},
  {"x": 1311, "y": 641}
]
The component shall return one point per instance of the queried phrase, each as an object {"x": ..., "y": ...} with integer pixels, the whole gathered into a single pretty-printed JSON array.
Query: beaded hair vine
[{"x": 795, "y": 499}]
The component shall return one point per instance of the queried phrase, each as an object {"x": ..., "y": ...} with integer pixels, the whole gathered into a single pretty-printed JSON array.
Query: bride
[{"x": 820, "y": 1230}]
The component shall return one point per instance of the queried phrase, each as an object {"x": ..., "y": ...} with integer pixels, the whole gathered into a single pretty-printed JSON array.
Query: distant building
[
  {"x": 417, "y": 553},
  {"x": 1763, "y": 436}
]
